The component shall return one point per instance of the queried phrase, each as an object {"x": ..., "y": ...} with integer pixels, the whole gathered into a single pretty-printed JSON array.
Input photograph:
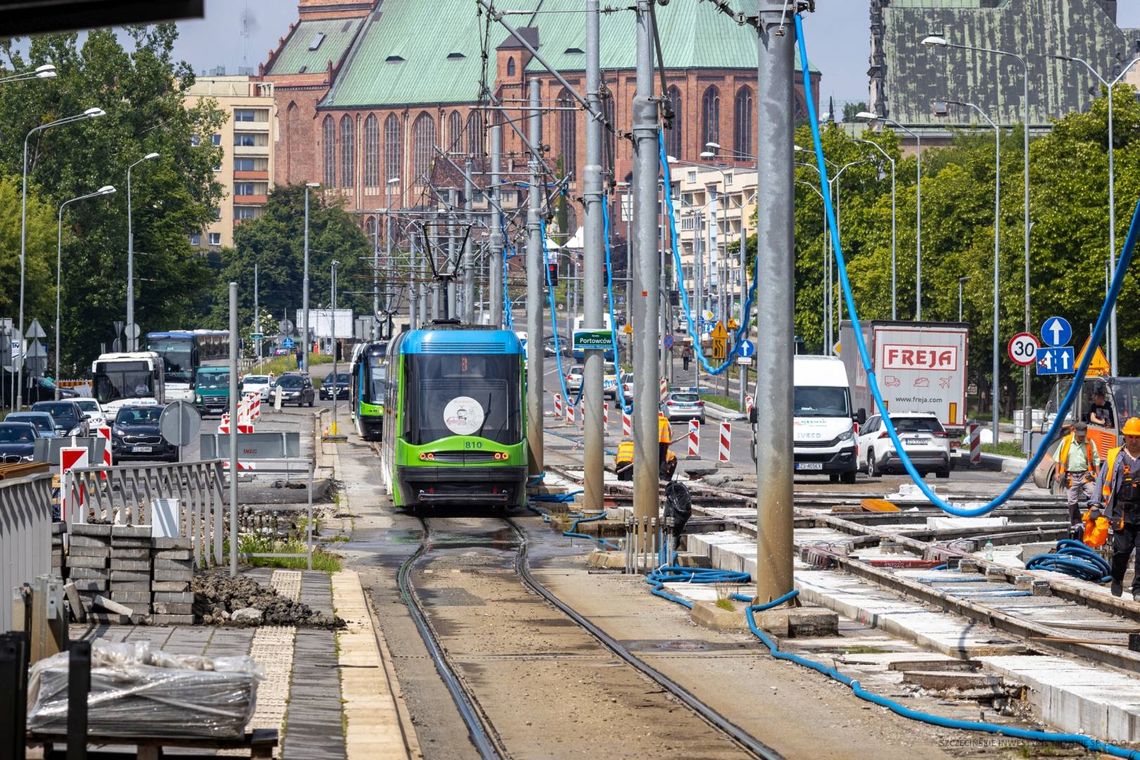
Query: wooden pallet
[{"x": 260, "y": 743}]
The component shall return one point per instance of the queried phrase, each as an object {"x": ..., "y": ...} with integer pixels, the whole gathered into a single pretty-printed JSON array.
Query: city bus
[
  {"x": 135, "y": 377},
  {"x": 183, "y": 352}
]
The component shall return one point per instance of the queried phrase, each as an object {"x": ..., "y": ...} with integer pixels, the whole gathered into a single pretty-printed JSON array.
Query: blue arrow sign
[
  {"x": 287, "y": 343},
  {"x": 1056, "y": 332},
  {"x": 747, "y": 349},
  {"x": 1059, "y": 360}
]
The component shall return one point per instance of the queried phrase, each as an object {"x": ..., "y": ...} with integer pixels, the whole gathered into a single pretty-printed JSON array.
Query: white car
[
  {"x": 574, "y": 379},
  {"x": 923, "y": 438},
  {"x": 259, "y": 384},
  {"x": 92, "y": 411}
]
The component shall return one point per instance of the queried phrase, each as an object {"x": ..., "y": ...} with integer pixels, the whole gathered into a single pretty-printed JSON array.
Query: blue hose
[
  {"x": 865, "y": 358},
  {"x": 554, "y": 318},
  {"x": 677, "y": 574},
  {"x": 625, "y": 406},
  {"x": 508, "y": 254},
  {"x": 1073, "y": 558}
]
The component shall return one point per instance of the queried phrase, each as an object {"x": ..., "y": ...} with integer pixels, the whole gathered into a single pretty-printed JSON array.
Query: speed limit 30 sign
[{"x": 1023, "y": 349}]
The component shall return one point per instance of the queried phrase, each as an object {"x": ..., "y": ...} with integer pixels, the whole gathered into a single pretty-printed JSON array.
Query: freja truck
[{"x": 921, "y": 367}]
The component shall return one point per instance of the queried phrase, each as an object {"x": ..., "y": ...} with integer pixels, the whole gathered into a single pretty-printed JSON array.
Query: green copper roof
[
  {"x": 313, "y": 44},
  {"x": 413, "y": 52}
]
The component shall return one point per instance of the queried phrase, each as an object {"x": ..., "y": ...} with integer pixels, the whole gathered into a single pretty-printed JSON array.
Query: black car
[
  {"x": 69, "y": 418},
  {"x": 17, "y": 441},
  {"x": 135, "y": 433},
  {"x": 337, "y": 384},
  {"x": 296, "y": 388}
]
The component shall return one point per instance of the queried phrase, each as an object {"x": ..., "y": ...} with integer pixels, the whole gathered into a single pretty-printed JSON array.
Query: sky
[{"x": 840, "y": 51}]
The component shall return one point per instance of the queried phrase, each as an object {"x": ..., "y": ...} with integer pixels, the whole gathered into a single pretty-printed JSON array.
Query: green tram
[
  {"x": 455, "y": 428},
  {"x": 367, "y": 388}
]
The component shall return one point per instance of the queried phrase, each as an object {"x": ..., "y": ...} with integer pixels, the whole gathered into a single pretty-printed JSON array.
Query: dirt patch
[{"x": 217, "y": 596}]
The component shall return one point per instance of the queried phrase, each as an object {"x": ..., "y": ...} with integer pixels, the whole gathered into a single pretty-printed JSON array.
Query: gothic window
[
  {"x": 710, "y": 117},
  {"x": 455, "y": 132},
  {"x": 568, "y": 131},
  {"x": 609, "y": 160},
  {"x": 330, "y": 151},
  {"x": 673, "y": 138},
  {"x": 475, "y": 133},
  {"x": 347, "y": 152},
  {"x": 393, "y": 153},
  {"x": 372, "y": 151},
  {"x": 742, "y": 123},
  {"x": 423, "y": 144},
  {"x": 510, "y": 67}
]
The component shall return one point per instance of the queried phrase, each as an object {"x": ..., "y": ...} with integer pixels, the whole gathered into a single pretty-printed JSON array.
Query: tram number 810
[{"x": 472, "y": 444}]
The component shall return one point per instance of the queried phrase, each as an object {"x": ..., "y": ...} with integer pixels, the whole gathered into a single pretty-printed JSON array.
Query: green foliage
[
  {"x": 250, "y": 543},
  {"x": 1005, "y": 449},
  {"x": 725, "y": 401}
]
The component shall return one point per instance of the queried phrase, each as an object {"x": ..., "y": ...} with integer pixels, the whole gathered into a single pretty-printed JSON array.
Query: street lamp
[
  {"x": 392, "y": 182},
  {"x": 132, "y": 328},
  {"x": 305, "y": 286},
  {"x": 942, "y": 42},
  {"x": 105, "y": 190},
  {"x": 870, "y": 117},
  {"x": 90, "y": 113},
  {"x": 46, "y": 71},
  {"x": 940, "y": 109},
  {"x": 894, "y": 238},
  {"x": 1112, "y": 342}
]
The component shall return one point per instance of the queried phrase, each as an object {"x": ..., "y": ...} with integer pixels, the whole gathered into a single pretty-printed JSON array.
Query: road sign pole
[{"x": 593, "y": 197}]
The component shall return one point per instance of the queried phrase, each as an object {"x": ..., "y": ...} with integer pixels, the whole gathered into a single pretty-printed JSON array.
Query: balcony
[
  {"x": 245, "y": 151},
  {"x": 262, "y": 175},
  {"x": 250, "y": 200}
]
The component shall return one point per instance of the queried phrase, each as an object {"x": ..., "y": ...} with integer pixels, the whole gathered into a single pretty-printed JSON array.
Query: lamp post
[
  {"x": 894, "y": 237},
  {"x": 961, "y": 281},
  {"x": 941, "y": 110},
  {"x": 105, "y": 190},
  {"x": 870, "y": 117},
  {"x": 132, "y": 329},
  {"x": 305, "y": 286},
  {"x": 388, "y": 295},
  {"x": 90, "y": 113},
  {"x": 332, "y": 331},
  {"x": 46, "y": 71},
  {"x": 1112, "y": 342},
  {"x": 936, "y": 41}
]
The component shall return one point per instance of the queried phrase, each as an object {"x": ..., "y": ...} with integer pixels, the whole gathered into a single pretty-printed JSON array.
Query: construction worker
[
  {"x": 1077, "y": 463},
  {"x": 1100, "y": 411},
  {"x": 1117, "y": 494}
]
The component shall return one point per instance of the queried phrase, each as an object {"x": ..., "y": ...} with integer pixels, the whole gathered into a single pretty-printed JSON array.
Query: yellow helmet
[{"x": 1131, "y": 427}]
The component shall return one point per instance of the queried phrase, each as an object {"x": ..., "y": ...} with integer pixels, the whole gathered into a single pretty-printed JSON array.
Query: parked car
[
  {"x": 627, "y": 385},
  {"x": 135, "y": 433},
  {"x": 335, "y": 384},
  {"x": 68, "y": 417},
  {"x": 296, "y": 388},
  {"x": 259, "y": 384},
  {"x": 17, "y": 441},
  {"x": 42, "y": 421},
  {"x": 574, "y": 378},
  {"x": 609, "y": 381},
  {"x": 683, "y": 406},
  {"x": 93, "y": 411},
  {"x": 923, "y": 438}
]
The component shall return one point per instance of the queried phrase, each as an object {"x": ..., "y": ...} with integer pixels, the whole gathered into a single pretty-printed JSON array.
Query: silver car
[{"x": 683, "y": 406}]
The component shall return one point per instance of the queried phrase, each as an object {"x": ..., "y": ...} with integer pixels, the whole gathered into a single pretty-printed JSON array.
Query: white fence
[{"x": 25, "y": 536}]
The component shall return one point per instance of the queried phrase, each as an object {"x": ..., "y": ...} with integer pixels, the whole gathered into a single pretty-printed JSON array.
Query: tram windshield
[{"x": 475, "y": 395}]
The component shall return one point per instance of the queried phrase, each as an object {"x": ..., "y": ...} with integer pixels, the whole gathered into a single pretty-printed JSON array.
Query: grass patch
[
  {"x": 864, "y": 650},
  {"x": 279, "y": 365},
  {"x": 725, "y": 401},
  {"x": 254, "y": 544},
  {"x": 1005, "y": 449},
  {"x": 726, "y": 604}
]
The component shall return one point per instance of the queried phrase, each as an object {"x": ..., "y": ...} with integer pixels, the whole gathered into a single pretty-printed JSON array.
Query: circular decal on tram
[{"x": 463, "y": 415}]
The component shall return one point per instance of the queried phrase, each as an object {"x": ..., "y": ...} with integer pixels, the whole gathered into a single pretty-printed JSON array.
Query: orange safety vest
[
  {"x": 1109, "y": 465},
  {"x": 1063, "y": 453},
  {"x": 664, "y": 431}
]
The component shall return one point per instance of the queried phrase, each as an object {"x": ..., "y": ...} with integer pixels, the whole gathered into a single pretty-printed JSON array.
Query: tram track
[{"x": 487, "y": 739}]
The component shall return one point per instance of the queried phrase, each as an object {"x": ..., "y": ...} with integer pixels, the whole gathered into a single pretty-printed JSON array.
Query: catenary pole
[
  {"x": 452, "y": 253},
  {"x": 594, "y": 252},
  {"x": 468, "y": 260},
  {"x": 534, "y": 271},
  {"x": 775, "y": 301},
  {"x": 234, "y": 427},
  {"x": 647, "y": 280},
  {"x": 496, "y": 227}
]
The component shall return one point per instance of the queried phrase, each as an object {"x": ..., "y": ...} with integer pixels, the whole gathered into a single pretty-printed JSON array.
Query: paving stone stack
[
  {"x": 57, "y": 565},
  {"x": 130, "y": 567},
  {"x": 88, "y": 566},
  {"x": 173, "y": 565}
]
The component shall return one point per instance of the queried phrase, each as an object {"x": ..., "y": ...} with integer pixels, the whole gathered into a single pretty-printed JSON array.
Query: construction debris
[{"x": 219, "y": 598}]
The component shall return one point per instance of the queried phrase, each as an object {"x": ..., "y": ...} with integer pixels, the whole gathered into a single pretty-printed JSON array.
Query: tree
[{"x": 850, "y": 110}]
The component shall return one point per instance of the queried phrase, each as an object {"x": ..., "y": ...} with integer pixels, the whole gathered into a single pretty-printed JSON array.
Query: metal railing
[
  {"x": 257, "y": 518},
  {"x": 126, "y": 495},
  {"x": 25, "y": 536}
]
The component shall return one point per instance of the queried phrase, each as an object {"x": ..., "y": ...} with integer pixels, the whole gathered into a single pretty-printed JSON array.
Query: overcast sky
[{"x": 839, "y": 29}]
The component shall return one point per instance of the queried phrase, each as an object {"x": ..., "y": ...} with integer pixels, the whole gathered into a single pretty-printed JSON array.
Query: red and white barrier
[
  {"x": 626, "y": 425},
  {"x": 242, "y": 466},
  {"x": 725, "y": 453},
  {"x": 70, "y": 457},
  {"x": 694, "y": 439},
  {"x": 605, "y": 415},
  {"x": 663, "y": 386},
  {"x": 224, "y": 424},
  {"x": 557, "y": 406},
  {"x": 104, "y": 432},
  {"x": 569, "y": 414},
  {"x": 749, "y": 402},
  {"x": 975, "y": 443},
  {"x": 244, "y": 426}
]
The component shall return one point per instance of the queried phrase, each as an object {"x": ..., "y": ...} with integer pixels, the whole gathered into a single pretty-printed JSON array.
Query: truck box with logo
[{"x": 920, "y": 366}]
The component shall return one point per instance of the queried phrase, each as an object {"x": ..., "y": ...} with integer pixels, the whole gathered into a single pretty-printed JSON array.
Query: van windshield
[
  {"x": 817, "y": 401},
  {"x": 213, "y": 379}
]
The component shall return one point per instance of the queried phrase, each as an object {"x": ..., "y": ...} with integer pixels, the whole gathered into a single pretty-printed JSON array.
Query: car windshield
[
  {"x": 88, "y": 404},
  {"x": 341, "y": 377},
  {"x": 213, "y": 379},
  {"x": 289, "y": 382},
  {"x": 917, "y": 425},
  {"x": 138, "y": 415},
  {"x": 16, "y": 434},
  {"x": 63, "y": 414},
  {"x": 821, "y": 401},
  {"x": 575, "y": 370},
  {"x": 41, "y": 421},
  {"x": 686, "y": 398},
  {"x": 255, "y": 380}
]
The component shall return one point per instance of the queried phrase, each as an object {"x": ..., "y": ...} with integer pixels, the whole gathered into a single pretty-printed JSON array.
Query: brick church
[{"x": 369, "y": 92}]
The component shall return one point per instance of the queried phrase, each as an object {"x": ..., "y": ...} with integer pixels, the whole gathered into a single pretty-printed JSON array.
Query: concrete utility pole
[
  {"x": 413, "y": 292},
  {"x": 775, "y": 300},
  {"x": 234, "y": 427},
  {"x": 376, "y": 277},
  {"x": 646, "y": 299},
  {"x": 497, "y": 262},
  {"x": 436, "y": 296},
  {"x": 304, "y": 291},
  {"x": 468, "y": 259},
  {"x": 452, "y": 253},
  {"x": 594, "y": 245},
  {"x": 534, "y": 272}
]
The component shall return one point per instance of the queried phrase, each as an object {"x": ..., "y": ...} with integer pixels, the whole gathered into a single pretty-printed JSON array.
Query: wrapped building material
[{"x": 139, "y": 692}]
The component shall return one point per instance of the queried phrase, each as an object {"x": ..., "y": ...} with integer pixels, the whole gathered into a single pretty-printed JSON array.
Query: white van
[{"x": 823, "y": 430}]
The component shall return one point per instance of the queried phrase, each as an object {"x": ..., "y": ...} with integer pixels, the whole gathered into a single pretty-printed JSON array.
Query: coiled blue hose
[
  {"x": 865, "y": 358},
  {"x": 1072, "y": 557},
  {"x": 677, "y": 574}
]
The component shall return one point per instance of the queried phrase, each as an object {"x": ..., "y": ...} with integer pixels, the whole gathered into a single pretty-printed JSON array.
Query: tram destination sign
[{"x": 586, "y": 340}]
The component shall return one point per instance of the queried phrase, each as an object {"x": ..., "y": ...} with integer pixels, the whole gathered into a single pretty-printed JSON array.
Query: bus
[
  {"x": 368, "y": 386},
  {"x": 183, "y": 352},
  {"x": 119, "y": 379}
]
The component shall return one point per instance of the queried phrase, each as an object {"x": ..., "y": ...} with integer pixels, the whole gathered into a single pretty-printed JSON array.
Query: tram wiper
[{"x": 486, "y": 416}]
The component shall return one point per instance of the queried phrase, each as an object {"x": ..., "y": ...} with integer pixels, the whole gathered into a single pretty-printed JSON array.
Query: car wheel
[
  {"x": 942, "y": 473},
  {"x": 833, "y": 477},
  {"x": 848, "y": 478},
  {"x": 310, "y": 403},
  {"x": 873, "y": 465}
]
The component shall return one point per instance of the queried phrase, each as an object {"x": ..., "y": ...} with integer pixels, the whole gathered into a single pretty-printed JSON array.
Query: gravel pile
[{"x": 220, "y": 599}]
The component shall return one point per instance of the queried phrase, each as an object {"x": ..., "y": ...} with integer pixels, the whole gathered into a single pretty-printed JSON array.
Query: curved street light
[{"x": 132, "y": 328}]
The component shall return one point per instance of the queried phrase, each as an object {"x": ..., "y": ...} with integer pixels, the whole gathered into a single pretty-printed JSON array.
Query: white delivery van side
[{"x": 823, "y": 426}]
